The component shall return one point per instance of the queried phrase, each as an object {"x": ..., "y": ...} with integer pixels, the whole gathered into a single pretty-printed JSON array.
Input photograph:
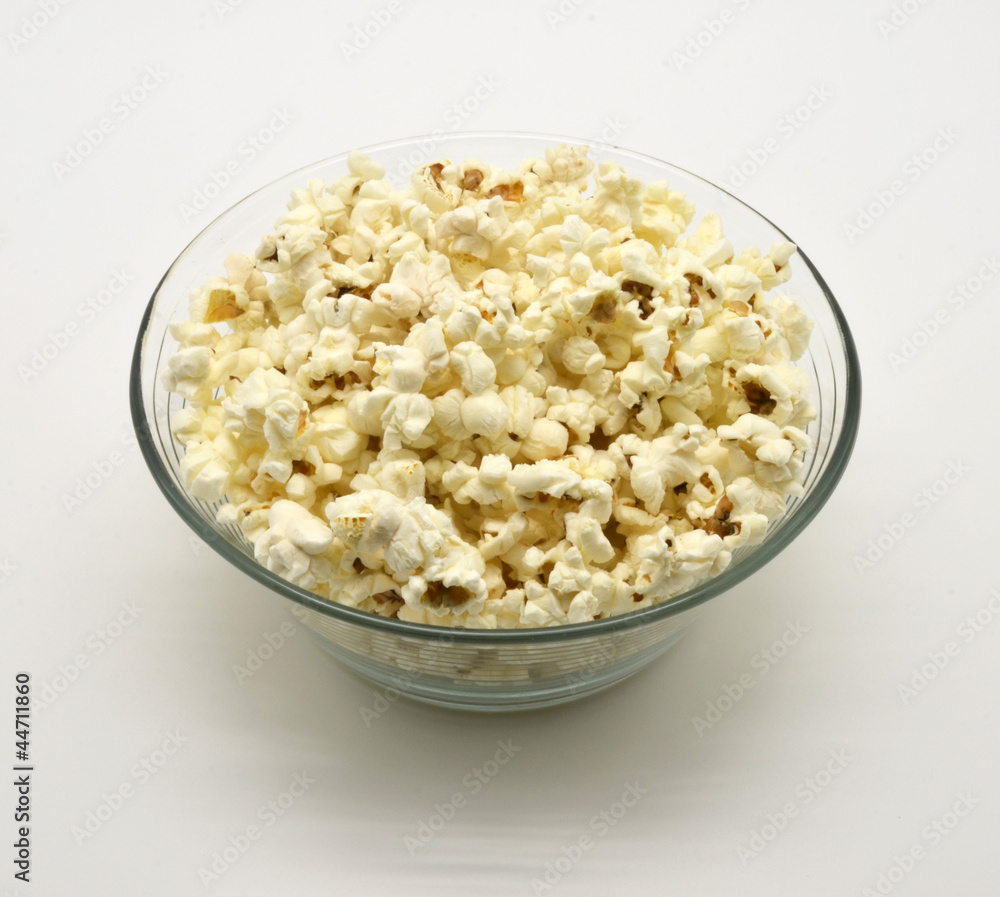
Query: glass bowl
[{"x": 493, "y": 670}]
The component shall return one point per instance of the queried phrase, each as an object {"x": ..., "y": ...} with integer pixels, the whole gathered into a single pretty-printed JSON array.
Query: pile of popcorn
[{"x": 495, "y": 399}]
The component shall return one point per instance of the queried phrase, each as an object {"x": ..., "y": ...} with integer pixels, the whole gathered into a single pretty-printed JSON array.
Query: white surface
[{"x": 608, "y": 66}]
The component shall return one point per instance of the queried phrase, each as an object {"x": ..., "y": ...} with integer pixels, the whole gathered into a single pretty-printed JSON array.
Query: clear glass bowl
[{"x": 476, "y": 669}]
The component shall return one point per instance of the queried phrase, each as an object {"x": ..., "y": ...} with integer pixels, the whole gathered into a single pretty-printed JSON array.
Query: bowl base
[{"x": 396, "y": 683}]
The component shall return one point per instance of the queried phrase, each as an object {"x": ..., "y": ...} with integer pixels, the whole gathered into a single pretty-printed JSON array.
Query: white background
[{"x": 216, "y": 76}]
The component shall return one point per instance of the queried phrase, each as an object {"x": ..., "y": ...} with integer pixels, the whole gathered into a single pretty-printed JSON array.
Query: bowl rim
[{"x": 813, "y": 502}]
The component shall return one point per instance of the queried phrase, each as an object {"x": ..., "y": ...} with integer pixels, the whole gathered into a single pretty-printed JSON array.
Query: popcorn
[
  {"x": 293, "y": 545},
  {"x": 485, "y": 414},
  {"x": 582, "y": 356},
  {"x": 546, "y": 439},
  {"x": 495, "y": 399},
  {"x": 473, "y": 367}
]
